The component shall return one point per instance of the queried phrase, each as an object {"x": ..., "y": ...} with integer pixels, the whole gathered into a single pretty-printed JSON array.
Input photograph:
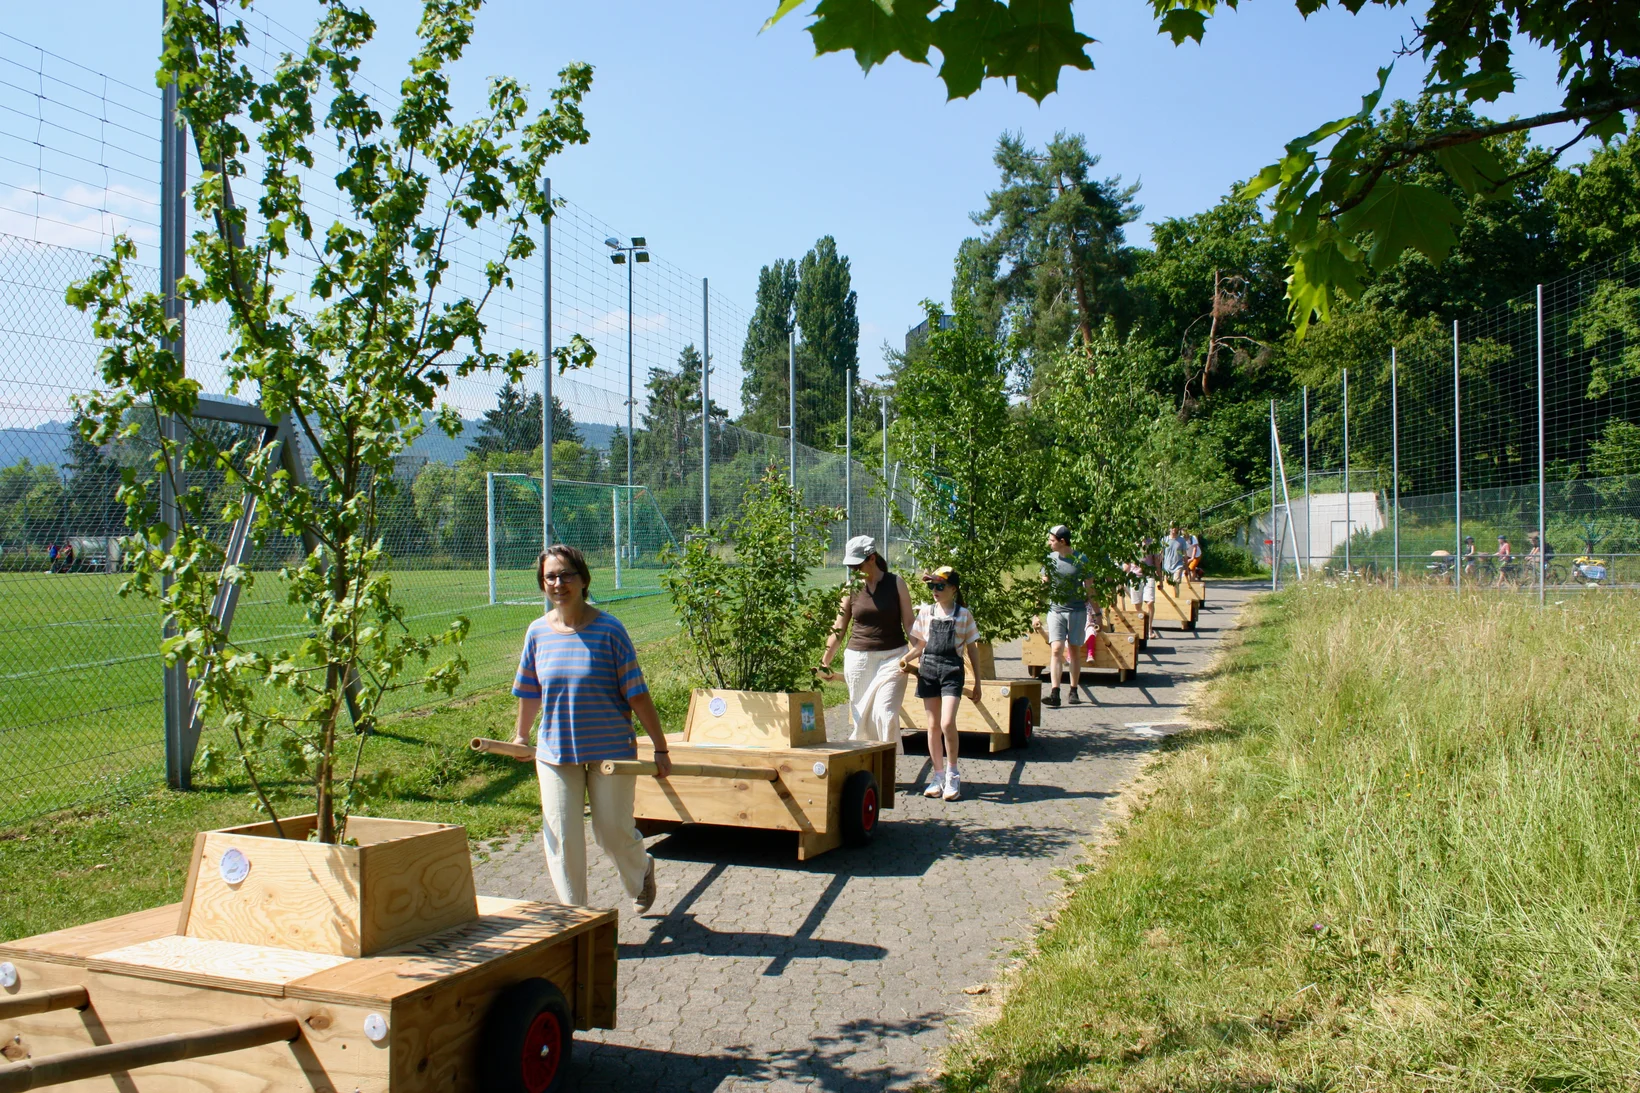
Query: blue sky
[{"x": 727, "y": 148}]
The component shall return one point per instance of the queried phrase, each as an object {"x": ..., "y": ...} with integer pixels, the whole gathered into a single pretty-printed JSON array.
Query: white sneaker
[
  {"x": 953, "y": 786},
  {"x": 936, "y": 784}
]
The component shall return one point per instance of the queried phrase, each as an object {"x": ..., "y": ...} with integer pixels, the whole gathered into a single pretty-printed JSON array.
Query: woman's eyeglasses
[{"x": 561, "y": 578}]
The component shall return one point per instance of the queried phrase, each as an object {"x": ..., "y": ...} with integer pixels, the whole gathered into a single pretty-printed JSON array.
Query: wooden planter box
[
  {"x": 1175, "y": 605},
  {"x": 379, "y": 956},
  {"x": 1123, "y": 618},
  {"x": 1114, "y": 652},
  {"x": 1007, "y": 712},
  {"x": 815, "y": 792}
]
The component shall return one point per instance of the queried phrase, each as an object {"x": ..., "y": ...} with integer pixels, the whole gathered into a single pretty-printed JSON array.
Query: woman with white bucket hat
[{"x": 874, "y": 613}]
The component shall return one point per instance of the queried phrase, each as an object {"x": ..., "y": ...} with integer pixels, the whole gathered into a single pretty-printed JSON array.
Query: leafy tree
[
  {"x": 377, "y": 337},
  {"x": 31, "y": 503},
  {"x": 825, "y": 308},
  {"x": 669, "y": 446},
  {"x": 763, "y": 353},
  {"x": 742, "y": 591},
  {"x": 1598, "y": 205},
  {"x": 506, "y": 428},
  {"x": 1053, "y": 259},
  {"x": 969, "y": 460},
  {"x": 1338, "y": 182}
]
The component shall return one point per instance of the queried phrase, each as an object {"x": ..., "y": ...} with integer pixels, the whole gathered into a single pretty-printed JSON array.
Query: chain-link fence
[
  {"x": 1465, "y": 445},
  {"x": 81, "y": 707}
]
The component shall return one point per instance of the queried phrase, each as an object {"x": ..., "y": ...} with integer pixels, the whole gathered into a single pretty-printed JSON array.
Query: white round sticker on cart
[
  {"x": 375, "y": 1027},
  {"x": 8, "y": 975},
  {"x": 819, "y": 770},
  {"x": 718, "y": 707},
  {"x": 234, "y": 866}
]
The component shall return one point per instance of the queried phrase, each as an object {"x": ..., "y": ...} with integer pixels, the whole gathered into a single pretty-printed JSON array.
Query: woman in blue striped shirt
[{"x": 580, "y": 672}]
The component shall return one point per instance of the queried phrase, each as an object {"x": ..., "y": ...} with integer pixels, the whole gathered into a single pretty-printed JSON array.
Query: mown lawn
[{"x": 1407, "y": 857}]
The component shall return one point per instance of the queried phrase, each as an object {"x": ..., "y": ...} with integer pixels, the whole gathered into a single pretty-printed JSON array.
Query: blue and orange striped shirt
[{"x": 586, "y": 682}]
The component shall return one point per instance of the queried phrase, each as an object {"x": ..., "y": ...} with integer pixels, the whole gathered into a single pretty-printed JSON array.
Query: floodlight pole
[
  {"x": 791, "y": 400},
  {"x": 631, "y": 409},
  {"x": 888, "y": 491},
  {"x": 848, "y": 454}
]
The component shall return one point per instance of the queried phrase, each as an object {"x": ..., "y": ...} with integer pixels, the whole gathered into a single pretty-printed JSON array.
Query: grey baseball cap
[
  {"x": 859, "y": 549},
  {"x": 1061, "y": 532}
]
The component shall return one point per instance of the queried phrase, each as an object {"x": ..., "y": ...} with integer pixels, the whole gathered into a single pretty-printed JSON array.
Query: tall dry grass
[{"x": 1408, "y": 858}]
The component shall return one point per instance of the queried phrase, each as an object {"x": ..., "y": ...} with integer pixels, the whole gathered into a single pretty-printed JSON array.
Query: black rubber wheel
[
  {"x": 1021, "y": 723},
  {"x": 527, "y": 1039},
  {"x": 859, "y": 808}
]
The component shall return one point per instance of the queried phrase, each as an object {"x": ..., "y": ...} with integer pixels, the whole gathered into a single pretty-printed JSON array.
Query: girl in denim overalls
[{"x": 943, "y": 630}]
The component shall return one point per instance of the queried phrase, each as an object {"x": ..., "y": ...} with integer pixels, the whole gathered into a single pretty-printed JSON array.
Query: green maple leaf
[
  {"x": 1044, "y": 40},
  {"x": 966, "y": 37},
  {"x": 1401, "y": 215},
  {"x": 1183, "y": 23},
  {"x": 1472, "y": 166},
  {"x": 874, "y": 30},
  {"x": 1328, "y": 267}
]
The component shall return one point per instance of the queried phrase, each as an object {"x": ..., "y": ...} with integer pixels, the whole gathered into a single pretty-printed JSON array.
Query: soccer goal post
[{"x": 620, "y": 530}]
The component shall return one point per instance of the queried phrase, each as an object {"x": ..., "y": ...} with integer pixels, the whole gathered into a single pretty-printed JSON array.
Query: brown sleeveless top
[{"x": 878, "y": 627}]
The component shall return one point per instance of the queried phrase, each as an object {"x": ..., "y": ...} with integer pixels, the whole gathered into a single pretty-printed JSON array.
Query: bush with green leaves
[
  {"x": 743, "y": 591},
  {"x": 356, "y": 357}
]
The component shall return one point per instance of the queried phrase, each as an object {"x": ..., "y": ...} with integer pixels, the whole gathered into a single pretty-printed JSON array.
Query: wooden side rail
[
  {"x": 691, "y": 770},
  {"x": 503, "y": 747},
  {"x": 58, "y": 998},
  {"x": 94, "y": 1062}
]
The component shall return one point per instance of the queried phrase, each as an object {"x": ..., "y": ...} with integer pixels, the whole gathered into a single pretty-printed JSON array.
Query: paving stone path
[{"x": 755, "y": 971}]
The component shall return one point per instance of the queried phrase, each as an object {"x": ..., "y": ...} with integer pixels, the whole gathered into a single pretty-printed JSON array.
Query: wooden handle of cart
[
  {"x": 690, "y": 770},
  {"x": 508, "y": 748}
]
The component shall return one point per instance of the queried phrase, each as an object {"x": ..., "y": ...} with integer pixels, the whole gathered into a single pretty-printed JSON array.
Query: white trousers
[
  {"x": 564, "y": 791},
  {"x": 876, "y": 687}
]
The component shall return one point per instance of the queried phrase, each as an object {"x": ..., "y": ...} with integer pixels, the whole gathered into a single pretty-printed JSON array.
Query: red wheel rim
[
  {"x": 1030, "y": 717},
  {"x": 868, "y": 809},
  {"x": 543, "y": 1051}
]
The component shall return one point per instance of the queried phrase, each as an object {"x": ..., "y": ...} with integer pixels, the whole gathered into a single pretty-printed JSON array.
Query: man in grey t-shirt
[
  {"x": 1066, "y": 574},
  {"x": 1173, "y": 554}
]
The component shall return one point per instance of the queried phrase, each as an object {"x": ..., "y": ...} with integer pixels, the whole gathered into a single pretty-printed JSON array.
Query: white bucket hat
[{"x": 859, "y": 549}]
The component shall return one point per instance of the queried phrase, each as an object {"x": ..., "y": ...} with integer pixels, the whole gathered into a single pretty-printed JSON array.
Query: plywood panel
[
  {"x": 297, "y": 895},
  {"x": 333, "y": 1054},
  {"x": 433, "y": 962},
  {"x": 256, "y": 969},
  {"x": 74, "y": 944},
  {"x": 416, "y": 886},
  {"x": 756, "y": 718}
]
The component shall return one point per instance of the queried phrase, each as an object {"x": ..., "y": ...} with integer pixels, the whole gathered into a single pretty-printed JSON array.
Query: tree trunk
[{"x": 1212, "y": 334}]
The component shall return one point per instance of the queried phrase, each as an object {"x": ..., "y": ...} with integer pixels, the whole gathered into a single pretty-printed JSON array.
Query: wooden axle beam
[
  {"x": 691, "y": 770},
  {"x": 94, "y": 1062},
  {"x": 58, "y": 998},
  {"x": 503, "y": 747}
]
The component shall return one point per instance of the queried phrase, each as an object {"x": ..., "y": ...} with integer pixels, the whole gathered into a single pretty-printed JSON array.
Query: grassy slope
[
  {"x": 131, "y": 852},
  {"x": 1405, "y": 860}
]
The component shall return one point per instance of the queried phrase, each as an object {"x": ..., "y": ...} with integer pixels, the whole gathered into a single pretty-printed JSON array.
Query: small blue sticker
[{"x": 808, "y": 717}]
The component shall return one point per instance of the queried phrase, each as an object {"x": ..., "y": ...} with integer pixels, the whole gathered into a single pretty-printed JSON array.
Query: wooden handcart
[
  {"x": 311, "y": 968},
  {"x": 1179, "y": 603},
  {"x": 782, "y": 775},
  {"x": 1007, "y": 713},
  {"x": 1113, "y": 652}
]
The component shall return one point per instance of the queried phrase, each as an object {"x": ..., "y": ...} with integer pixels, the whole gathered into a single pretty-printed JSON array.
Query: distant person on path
[
  {"x": 1505, "y": 559},
  {"x": 874, "y": 613},
  {"x": 580, "y": 671},
  {"x": 65, "y": 558},
  {"x": 51, "y": 555},
  {"x": 940, "y": 634},
  {"x": 1192, "y": 555},
  {"x": 1536, "y": 556},
  {"x": 1173, "y": 554},
  {"x": 1066, "y": 574},
  {"x": 1151, "y": 563},
  {"x": 1470, "y": 559}
]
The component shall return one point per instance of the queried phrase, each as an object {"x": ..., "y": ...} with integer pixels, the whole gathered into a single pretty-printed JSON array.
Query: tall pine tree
[
  {"x": 763, "y": 353},
  {"x": 515, "y": 423}
]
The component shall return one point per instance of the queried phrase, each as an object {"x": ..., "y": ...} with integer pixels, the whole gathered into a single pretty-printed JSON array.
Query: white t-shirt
[{"x": 967, "y": 631}]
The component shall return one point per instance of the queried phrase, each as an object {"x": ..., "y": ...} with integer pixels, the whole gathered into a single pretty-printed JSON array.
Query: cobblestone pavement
[{"x": 755, "y": 971}]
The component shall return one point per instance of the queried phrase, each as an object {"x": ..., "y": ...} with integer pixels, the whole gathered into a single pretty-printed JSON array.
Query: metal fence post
[
  {"x": 1309, "y": 520},
  {"x": 1543, "y": 543},
  {"x": 848, "y": 455},
  {"x": 1395, "y": 460},
  {"x": 791, "y": 400},
  {"x": 1349, "y": 521},
  {"x": 705, "y": 405},
  {"x": 173, "y": 258},
  {"x": 546, "y": 377},
  {"x": 1275, "y": 563},
  {"x": 489, "y": 526},
  {"x": 888, "y": 490},
  {"x": 1457, "y": 467}
]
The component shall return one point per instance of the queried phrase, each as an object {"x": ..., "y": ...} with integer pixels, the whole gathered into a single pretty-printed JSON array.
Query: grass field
[
  {"x": 81, "y": 713},
  {"x": 1404, "y": 859}
]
